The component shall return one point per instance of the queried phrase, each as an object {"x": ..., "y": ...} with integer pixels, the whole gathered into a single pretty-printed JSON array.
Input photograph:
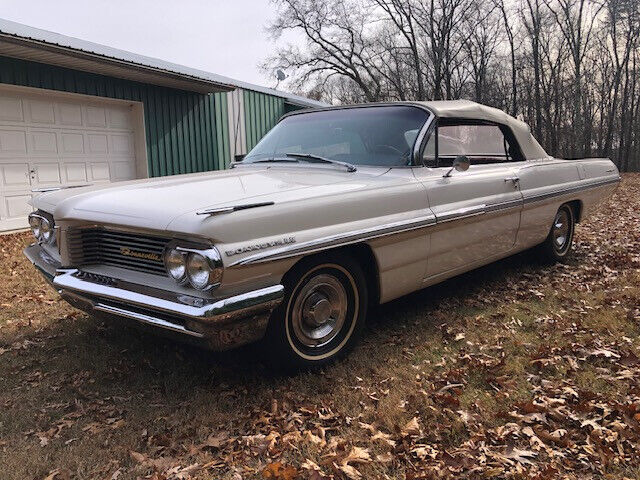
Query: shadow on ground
[{"x": 122, "y": 354}]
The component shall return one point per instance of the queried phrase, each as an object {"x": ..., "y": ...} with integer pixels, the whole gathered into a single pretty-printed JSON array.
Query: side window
[{"x": 482, "y": 143}]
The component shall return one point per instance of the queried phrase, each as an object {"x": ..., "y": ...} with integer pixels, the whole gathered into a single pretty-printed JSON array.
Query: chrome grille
[{"x": 134, "y": 251}]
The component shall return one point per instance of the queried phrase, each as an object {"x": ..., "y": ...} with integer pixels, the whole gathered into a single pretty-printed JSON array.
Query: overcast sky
[{"x": 220, "y": 36}]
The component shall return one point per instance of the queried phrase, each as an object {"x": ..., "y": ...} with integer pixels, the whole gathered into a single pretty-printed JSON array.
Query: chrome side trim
[
  {"x": 347, "y": 238},
  {"x": 146, "y": 319},
  {"x": 461, "y": 213},
  {"x": 232, "y": 208},
  {"x": 564, "y": 191},
  {"x": 339, "y": 239},
  {"x": 508, "y": 205}
]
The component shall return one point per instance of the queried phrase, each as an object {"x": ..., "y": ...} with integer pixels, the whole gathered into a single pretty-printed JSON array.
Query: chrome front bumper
[{"x": 217, "y": 324}]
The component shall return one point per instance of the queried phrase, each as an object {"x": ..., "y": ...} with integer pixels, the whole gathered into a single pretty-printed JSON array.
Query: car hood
[{"x": 155, "y": 203}]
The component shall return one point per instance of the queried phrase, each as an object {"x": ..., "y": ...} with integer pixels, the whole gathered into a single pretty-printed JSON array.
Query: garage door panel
[
  {"x": 41, "y": 112},
  {"x": 47, "y": 173},
  {"x": 12, "y": 141},
  {"x": 96, "y": 117},
  {"x": 11, "y": 109},
  {"x": 71, "y": 143},
  {"x": 120, "y": 118},
  {"x": 121, "y": 144},
  {"x": 100, "y": 171},
  {"x": 17, "y": 206},
  {"x": 75, "y": 172},
  {"x": 15, "y": 175},
  {"x": 122, "y": 171},
  {"x": 48, "y": 140},
  {"x": 98, "y": 143},
  {"x": 69, "y": 114},
  {"x": 43, "y": 142}
]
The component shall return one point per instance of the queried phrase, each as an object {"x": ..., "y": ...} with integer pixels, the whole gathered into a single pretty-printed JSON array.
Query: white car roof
[{"x": 466, "y": 109}]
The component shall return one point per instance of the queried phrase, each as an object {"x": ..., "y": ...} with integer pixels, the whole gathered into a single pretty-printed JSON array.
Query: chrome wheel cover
[
  {"x": 561, "y": 231},
  {"x": 319, "y": 311}
]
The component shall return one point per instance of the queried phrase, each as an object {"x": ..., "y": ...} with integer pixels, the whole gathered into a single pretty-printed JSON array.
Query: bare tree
[{"x": 570, "y": 68}]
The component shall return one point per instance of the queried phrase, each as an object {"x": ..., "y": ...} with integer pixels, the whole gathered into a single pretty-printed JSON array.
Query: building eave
[
  {"x": 42, "y": 46},
  {"x": 28, "y": 43}
]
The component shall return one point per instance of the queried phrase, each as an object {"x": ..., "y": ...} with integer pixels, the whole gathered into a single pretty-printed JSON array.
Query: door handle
[{"x": 514, "y": 180}]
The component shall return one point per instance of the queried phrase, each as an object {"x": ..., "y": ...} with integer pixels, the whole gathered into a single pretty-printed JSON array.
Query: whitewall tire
[
  {"x": 557, "y": 246},
  {"x": 322, "y": 315}
]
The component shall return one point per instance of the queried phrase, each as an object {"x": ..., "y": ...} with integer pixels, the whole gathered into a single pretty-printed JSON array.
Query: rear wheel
[
  {"x": 557, "y": 246},
  {"x": 322, "y": 315}
]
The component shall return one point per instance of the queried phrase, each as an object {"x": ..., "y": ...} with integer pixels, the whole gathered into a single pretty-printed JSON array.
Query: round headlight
[
  {"x": 35, "y": 223},
  {"x": 46, "y": 231},
  {"x": 204, "y": 268},
  {"x": 198, "y": 270},
  {"x": 176, "y": 264}
]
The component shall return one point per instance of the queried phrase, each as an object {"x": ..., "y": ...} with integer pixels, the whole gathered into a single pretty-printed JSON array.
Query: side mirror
[{"x": 460, "y": 164}]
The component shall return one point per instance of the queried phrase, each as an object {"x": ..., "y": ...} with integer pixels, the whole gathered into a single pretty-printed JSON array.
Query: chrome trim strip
[
  {"x": 232, "y": 208},
  {"x": 339, "y": 239},
  {"x": 460, "y": 213},
  {"x": 55, "y": 189},
  {"x": 564, "y": 191},
  {"x": 508, "y": 205},
  {"x": 416, "y": 161},
  {"x": 324, "y": 243},
  {"x": 146, "y": 319}
]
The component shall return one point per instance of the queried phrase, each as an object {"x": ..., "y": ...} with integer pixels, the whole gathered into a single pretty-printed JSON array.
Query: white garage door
[{"x": 48, "y": 141}]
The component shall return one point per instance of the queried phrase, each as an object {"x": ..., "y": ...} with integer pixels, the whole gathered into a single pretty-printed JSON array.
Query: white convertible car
[{"x": 333, "y": 211}]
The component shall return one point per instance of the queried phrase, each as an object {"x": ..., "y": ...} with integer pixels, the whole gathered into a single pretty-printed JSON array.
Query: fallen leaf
[
  {"x": 411, "y": 428},
  {"x": 279, "y": 471},
  {"x": 384, "y": 457},
  {"x": 385, "y": 437},
  {"x": 357, "y": 455},
  {"x": 521, "y": 456},
  {"x": 138, "y": 457},
  {"x": 350, "y": 472}
]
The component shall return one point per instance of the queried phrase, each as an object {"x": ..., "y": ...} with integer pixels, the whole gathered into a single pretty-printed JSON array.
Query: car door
[{"x": 477, "y": 210}]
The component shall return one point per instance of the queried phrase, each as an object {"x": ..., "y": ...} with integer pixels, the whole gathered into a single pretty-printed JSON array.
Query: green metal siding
[
  {"x": 261, "y": 112},
  {"x": 220, "y": 106},
  {"x": 185, "y": 132}
]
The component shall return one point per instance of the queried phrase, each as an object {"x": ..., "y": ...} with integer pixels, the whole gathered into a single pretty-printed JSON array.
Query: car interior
[
  {"x": 379, "y": 136},
  {"x": 482, "y": 142}
]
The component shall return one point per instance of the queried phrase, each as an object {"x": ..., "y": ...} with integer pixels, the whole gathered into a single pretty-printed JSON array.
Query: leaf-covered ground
[{"x": 512, "y": 371}]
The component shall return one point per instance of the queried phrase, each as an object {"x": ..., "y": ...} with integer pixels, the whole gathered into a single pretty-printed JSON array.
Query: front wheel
[
  {"x": 557, "y": 246},
  {"x": 322, "y": 315}
]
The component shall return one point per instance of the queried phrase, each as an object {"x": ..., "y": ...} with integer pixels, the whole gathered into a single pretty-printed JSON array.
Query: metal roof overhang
[{"x": 51, "y": 54}]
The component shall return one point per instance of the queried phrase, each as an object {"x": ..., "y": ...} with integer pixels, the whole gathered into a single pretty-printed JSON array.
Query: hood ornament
[{"x": 232, "y": 208}]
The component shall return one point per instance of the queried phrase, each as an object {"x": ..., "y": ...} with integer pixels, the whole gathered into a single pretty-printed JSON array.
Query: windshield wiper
[
  {"x": 267, "y": 160},
  {"x": 350, "y": 167}
]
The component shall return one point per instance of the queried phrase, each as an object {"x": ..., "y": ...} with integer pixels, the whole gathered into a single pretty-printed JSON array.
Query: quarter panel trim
[{"x": 564, "y": 191}]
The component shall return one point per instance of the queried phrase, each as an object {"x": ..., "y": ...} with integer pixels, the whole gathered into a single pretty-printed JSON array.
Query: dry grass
[{"x": 510, "y": 341}]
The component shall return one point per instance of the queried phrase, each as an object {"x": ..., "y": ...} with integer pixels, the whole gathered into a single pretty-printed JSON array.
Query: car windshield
[{"x": 380, "y": 136}]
